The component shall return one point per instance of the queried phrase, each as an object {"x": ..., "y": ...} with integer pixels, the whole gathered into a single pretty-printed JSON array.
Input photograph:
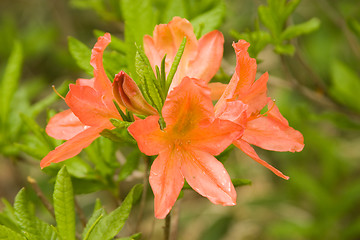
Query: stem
[
  {"x": 41, "y": 196},
  {"x": 167, "y": 227},
  {"x": 144, "y": 193}
]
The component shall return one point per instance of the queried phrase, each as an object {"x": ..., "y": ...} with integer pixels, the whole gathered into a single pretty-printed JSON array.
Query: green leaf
[
  {"x": 84, "y": 186},
  {"x": 111, "y": 224},
  {"x": 175, "y": 64},
  {"x": 8, "y": 234},
  {"x": 38, "y": 131},
  {"x": 24, "y": 215},
  {"x": 139, "y": 20},
  {"x": 46, "y": 231},
  {"x": 300, "y": 29},
  {"x": 135, "y": 236},
  {"x": 174, "y": 8},
  {"x": 286, "y": 49},
  {"x": 210, "y": 20},
  {"x": 132, "y": 161},
  {"x": 94, "y": 219},
  {"x": 9, "y": 82},
  {"x": 64, "y": 205},
  {"x": 118, "y": 135},
  {"x": 345, "y": 85},
  {"x": 354, "y": 25},
  {"x": 81, "y": 53},
  {"x": 148, "y": 84}
]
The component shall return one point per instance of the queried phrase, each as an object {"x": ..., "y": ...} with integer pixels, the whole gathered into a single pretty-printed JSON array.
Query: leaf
[
  {"x": 24, "y": 216},
  {"x": 135, "y": 236},
  {"x": 38, "y": 131},
  {"x": 286, "y": 49},
  {"x": 8, "y": 234},
  {"x": 174, "y": 8},
  {"x": 81, "y": 53},
  {"x": 84, "y": 186},
  {"x": 64, "y": 205},
  {"x": 46, "y": 231},
  {"x": 210, "y": 20},
  {"x": 258, "y": 40},
  {"x": 354, "y": 25},
  {"x": 148, "y": 83},
  {"x": 300, "y": 29},
  {"x": 139, "y": 20},
  {"x": 111, "y": 224},
  {"x": 345, "y": 85},
  {"x": 132, "y": 161},
  {"x": 175, "y": 64},
  {"x": 9, "y": 82},
  {"x": 94, "y": 219}
]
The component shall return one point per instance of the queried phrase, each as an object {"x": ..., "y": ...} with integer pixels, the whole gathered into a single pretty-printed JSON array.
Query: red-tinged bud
[{"x": 128, "y": 94}]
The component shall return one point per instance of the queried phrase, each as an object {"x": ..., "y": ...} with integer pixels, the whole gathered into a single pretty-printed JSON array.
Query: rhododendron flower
[
  {"x": 201, "y": 58},
  {"x": 91, "y": 107},
  {"x": 185, "y": 148},
  {"x": 242, "y": 102},
  {"x": 128, "y": 94}
]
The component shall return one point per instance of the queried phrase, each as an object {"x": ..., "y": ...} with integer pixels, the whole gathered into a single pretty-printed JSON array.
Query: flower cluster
[{"x": 195, "y": 130}]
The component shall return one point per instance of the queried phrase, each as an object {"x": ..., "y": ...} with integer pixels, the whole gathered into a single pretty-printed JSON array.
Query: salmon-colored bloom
[
  {"x": 128, "y": 94},
  {"x": 201, "y": 58},
  {"x": 186, "y": 147},
  {"x": 242, "y": 101},
  {"x": 91, "y": 107}
]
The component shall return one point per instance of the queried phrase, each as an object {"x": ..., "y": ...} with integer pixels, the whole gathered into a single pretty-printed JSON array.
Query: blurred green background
[{"x": 314, "y": 77}]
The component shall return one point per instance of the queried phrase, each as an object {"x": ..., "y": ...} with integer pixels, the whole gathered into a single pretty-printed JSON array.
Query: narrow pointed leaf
[
  {"x": 175, "y": 64},
  {"x": 110, "y": 225},
  {"x": 8, "y": 234},
  {"x": 9, "y": 81},
  {"x": 301, "y": 29},
  {"x": 94, "y": 219},
  {"x": 64, "y": 205},
  {"x": 81, "y": 53},
  {"x": 24, "y": 215}
]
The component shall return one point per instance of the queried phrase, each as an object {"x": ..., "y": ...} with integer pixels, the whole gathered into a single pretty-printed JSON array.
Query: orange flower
[
  {"x": 186, "y": 147},
  {"x": 201, "y": 58},
  {"x": 91, "y": 107},
  {"x": 242, "y": 102}
]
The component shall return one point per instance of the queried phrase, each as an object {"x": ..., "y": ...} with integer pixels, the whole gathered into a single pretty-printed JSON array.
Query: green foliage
[
  {"x": 274, "y": 17},
  {"x": 81, "y": 53},
  {"x": 8, "y": 234},
  {"x": 64, "y": 205},
  {"x": 108, "y": 226},
  {"x": 345, "y": 85}
]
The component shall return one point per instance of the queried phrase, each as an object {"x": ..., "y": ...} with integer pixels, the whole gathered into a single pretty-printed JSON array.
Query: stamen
[{"x": 57, "y": 93}]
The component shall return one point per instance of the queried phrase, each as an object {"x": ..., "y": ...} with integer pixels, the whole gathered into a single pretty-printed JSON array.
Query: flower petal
[
  {"x": 64, "y": 125},
  {"x": 188, "y": 105},
  {"x": 217, "y": 89},
  {"x": 216, "y": 137},
  {"x": 102, "y": 83},
  {"x": 148, "y": 135},
  {"x": 246, "y": 148},
  {"x": 208, "y": 59},
  {"x": 89, "y": 105},
  {"x": 73, "y": 146},
  {"x": 208, "y": 177},
  {"x": 166, "y": 182},
  {"x": 272, "y": 132}
]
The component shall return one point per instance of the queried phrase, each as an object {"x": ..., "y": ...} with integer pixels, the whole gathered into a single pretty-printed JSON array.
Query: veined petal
[
  {"x": 208, "y": 59},
  {"x": 216, "y": 137},
  {"x": 272, "y": 132},
  {"x": 188, "y": 105},
  {"x": 256, "y": 97},
  {"x": 148, "y": 135},
  {"x": 73, "y": 146},
  {"x": 207, "y": 176},
  {"x": 246, "y": 148},
  {"x": 89, "y": 105},
  {"x": 102, "y": 83},
  {"x": 64, "y": 125},
  {"x": 245, "y": 67},
  {"x": 217, "y": 89},
  {"x": 166, "y": 181}
]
